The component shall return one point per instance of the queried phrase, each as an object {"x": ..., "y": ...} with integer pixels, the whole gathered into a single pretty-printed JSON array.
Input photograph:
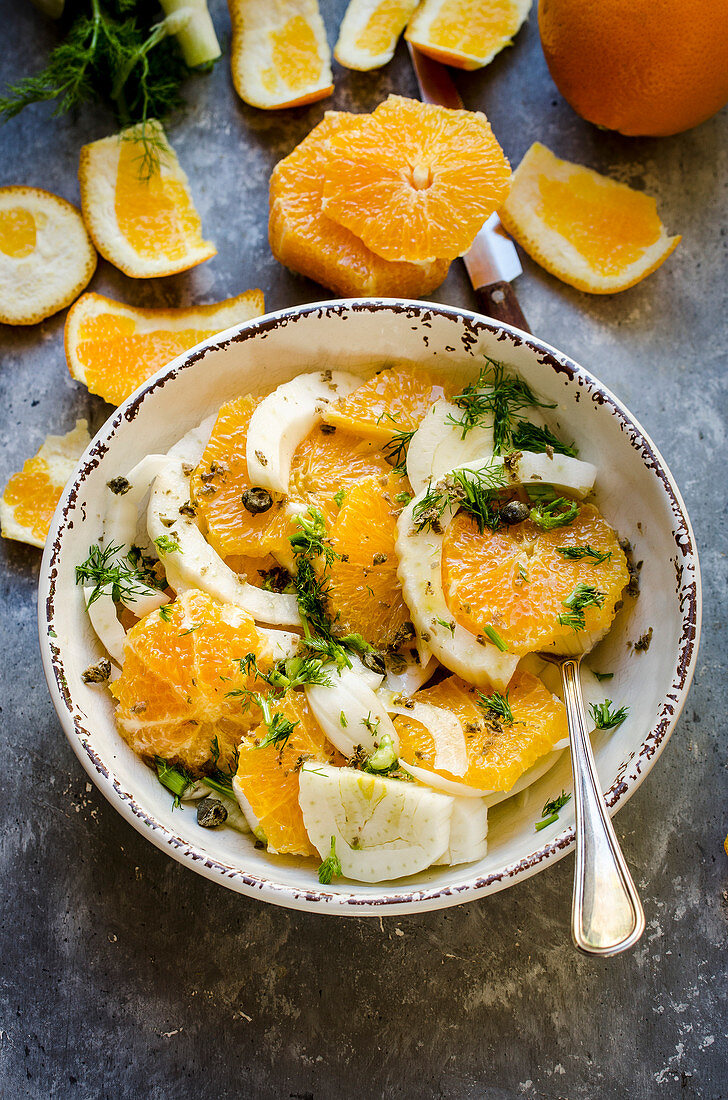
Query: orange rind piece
[
  {"x": 308, "y": 242},
  {"x": 46, "y": 255},
  {"x": 112, "y": 348},
  {"x": 415, "y": 182},
  {"x": 31, "y": 496},
  {"x": 370, "y": 31},
  {"x": 141, "y": 217},
  {"x": 497, "y": 752},
  {"x": 466, "y": 33},
  {"x": 589, "y": 231},
  {"x": 280, "y": 55}
]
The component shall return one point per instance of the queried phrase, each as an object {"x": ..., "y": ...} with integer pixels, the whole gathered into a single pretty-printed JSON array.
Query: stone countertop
[{"x": 124, "y": 974}]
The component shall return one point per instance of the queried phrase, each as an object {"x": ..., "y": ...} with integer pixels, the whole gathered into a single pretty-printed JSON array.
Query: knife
[{"x": 492, "y": 261}]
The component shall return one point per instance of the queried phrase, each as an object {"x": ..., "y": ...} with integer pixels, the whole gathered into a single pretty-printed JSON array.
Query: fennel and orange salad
[{"x": 323, "y": 611}]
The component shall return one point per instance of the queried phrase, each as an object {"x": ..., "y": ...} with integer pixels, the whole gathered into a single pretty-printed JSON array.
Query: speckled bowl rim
[{"x": 394, "y": 901}]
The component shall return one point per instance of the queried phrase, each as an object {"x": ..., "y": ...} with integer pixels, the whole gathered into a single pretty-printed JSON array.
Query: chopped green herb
[
  {"x": 167, "y": 545},
  {"x": 448, "y": 625},
  {"x": 190, "y": 630},
  {"x": 550, "y": 812},
  {"x": 606, "y": 719},
  {"x": 577, "y": 553},
  {"x": 331, "y": 866},
  {"x": 547, "y": 516},
  {"x": 497, "y": 705},
  {"x": 339, "y": 497},
  {"x": 372, "y": 724},
  {"x": 127, "y": 574},
  {"x": 280, "y": 729},
  {"x": 472, "y": 490},
  {"x": 165, "y": 612},
  {"x": 342, "y": 719},
  {"x": 583, "y": 596},
  {"x": 491, "y": 633},
  {"x": 529, "y": 437},
  {"x": 395, "y": 449},
  {"x": 495, "y": 397},
  {"x": 603, "y": 675},
  {"x": 522, "y": 574},
  {"x": 403, "y": 497},
  {"x": 287, "y": 673}
]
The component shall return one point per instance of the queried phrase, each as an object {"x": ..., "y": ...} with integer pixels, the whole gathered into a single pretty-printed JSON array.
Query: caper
[
  {"x": 211, "y": 813},
  {"x": 257, "y": 500},
  {"x": 515, "y": 511},
  {"x": 374, "y": 662}
]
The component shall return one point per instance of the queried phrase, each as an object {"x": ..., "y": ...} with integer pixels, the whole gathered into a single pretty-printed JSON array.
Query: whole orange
[{"x": 650, "y": 67}]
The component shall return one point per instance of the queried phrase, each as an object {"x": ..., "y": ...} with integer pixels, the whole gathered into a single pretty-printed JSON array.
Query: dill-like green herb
[
  {"x": 190, "y": 630},
  {"x": 577, "y": 553},
  {"x": 403, "y": 497},
  {"x": 288, "y": 673},
  {"x": 280, "y": 729},
  {"x": 331, "y": 866},
  {"x": 165, "y": 612},
  {"x": 548, "y": 517},
  {"x": 550, "y": 812},
  {"x": 117, "y": 51},
  {"x": 449, "y": 625},
  {"x": 395, "y": 449},
  {"x": 128, "y": 574},
  {"x": 472, "y": 490},
  {"x": 500, "y": 643},
  {"x": 495, "y": 395},
  {"x": 339, "y": 497},
  {"x": 584, "y": 595},
  {"x": 497, "y": 705},
  {"x": 167, "y": 545},
  {"x": 605, "y": 718},
  {"x": 529, "y": 437},
  {"x": 342, "y": 719}
]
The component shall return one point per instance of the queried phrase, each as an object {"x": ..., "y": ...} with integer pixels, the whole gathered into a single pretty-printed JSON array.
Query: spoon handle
[{"x": 606, "y": 913}]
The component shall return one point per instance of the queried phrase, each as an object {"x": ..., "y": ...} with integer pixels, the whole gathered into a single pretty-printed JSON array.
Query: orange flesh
[
  {"x": 498, "y": 752},
  {"x": 33, "y": 497},
  {"x": 471, "y": 27},
  {"x": 155, "y": 215},
  {"x": 610, "y": 227},
  {"x": 17, "y": 232},
  {"x": 296, "y": 57},
  {"x": 397, "y": 399},
  {"x": 484, "y": 583},
  {"x": 385, "y": 22}
]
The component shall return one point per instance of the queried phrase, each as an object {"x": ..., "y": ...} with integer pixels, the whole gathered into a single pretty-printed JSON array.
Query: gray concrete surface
[{"x": 124, "y": 975}]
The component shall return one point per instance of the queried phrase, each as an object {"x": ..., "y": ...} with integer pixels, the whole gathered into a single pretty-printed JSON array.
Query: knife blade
[{"x": 492, "y": 261}]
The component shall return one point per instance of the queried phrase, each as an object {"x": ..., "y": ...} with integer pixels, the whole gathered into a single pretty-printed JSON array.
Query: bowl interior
[{"x": 634, "y": 490}]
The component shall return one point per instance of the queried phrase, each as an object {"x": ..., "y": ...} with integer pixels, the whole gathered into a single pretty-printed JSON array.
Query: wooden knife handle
[{"x": 499, "y": 301}]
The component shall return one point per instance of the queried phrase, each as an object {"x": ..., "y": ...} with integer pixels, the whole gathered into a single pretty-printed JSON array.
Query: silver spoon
[{"x": 606, "y": 912}]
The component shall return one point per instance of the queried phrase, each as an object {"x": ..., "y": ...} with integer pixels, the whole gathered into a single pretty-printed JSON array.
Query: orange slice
[
  {"x": 30, "y": 497},
  {"x": 498, "y": 752},
  {"x": 173, "y": 692},
  {"x": 414, "y": 181},
  {"x": 46, "y": 255},
  {"x": 268, "y": 776},
  {"x": 365, "y": 595},
  {"x": 589, "y": 231},
  {"x": 112, "y": 348},
  {"x": 369, "y": 32},
  {"x": 466, "y": 33},
  {"x": 324, "y": 463},
  {"x": 304, "y": 239},
  {"x": 143, "y": 222},
  {"x": 515, "y": 580},
  {"x": 394, "y": 400},
  {"x": 280, "y": 56}
]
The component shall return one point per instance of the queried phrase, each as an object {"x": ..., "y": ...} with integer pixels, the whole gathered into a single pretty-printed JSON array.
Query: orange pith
[
  {"x": 498, "y": 752},
  {"x": 155, "y": 215},
  {"x": 394, "y": 400},
  {"x": 514, "y": 579},
  {"x": 33, "y": 496},
  {"x": 610, "y": 228},
  {"x": 17, "y": 232},
  {"x": 173, "y": 689},
  {"x": 269, "y": 775},
  {"x": 364, "y": 590},
  {"x": 304, "y": 239},
  {"x": 414, "y": 181}
]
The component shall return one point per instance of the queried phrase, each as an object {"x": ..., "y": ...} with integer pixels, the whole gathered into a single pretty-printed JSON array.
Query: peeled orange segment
[
  {"x": 304, "y": 239},
  {"x": 516, "y": 581},
  {"x": 466, "y": 33},
  {"x": 498, "y": 751},
  {"x": 268, "y": 776},
  {"x": 280, "y": 56},
  {"x": 284, "y": 418},
  {"x": 46, "y": 255},
  {"x": 589, "y": 231},
  {"x": 364, "y": 594},
  {"x": 414, "y": 181},
  {"x": 369, "y": 32},
  {"x": 144, "y": 222},
  {"x": 394, "y": 400},
  {"x": 173, "y": 692},
  {"x": 329, "y": 464},
  {"x": 30, "y": 497},
  {"x": 112, "y": 348}
]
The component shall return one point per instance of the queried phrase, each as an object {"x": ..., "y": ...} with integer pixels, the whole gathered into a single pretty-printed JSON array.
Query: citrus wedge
[
  {"x": 304, "y": 239},
  {"x": 112, "y": 348},
  {"x": 141, "y": 217},
  {"x": 497, "y": 750},
  {"x": 280, "y": 56},
  {"x": 466, "y": 33},
  {"x": 369, "y": 32},
  {"x": 395, "y": 400},
  {"x": 31, "y": 496},
  {"x": 46, "y": 255},
  {"x": 589, "y": 231},
  {"x": 415, "y": 181}
]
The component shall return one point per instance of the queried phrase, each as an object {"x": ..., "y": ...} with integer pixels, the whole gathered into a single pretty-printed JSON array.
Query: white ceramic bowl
[{"x": 635, "y": 491}]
